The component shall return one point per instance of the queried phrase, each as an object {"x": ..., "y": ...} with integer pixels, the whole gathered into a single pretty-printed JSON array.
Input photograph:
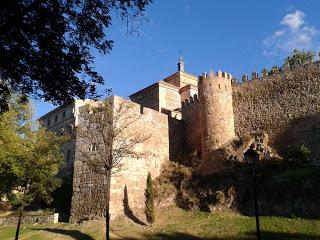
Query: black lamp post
[{"x": 251, "y": 157}]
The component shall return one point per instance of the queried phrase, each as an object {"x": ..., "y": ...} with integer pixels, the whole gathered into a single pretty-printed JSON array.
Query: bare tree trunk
[
  {"x": 108, "y": 178},
  {"x": 19, "y": 222}
]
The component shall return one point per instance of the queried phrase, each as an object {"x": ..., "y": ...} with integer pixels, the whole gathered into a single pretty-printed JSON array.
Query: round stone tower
[{"x": 216, "y": 111}]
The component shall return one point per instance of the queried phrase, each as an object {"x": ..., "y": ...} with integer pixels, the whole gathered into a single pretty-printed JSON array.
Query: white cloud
[
  {"x": 294, "y": 20},
  {"x": 296, "y": 33}
]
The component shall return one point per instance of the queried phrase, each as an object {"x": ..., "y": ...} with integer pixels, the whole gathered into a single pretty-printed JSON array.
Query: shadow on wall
[
  {"x": 248, "y": 235},
  {"x": 62, "y": 198},
  {"x": 127, "y": 210},
  {"x": 301, "y": 130},
  {"x": 176, "y": 136},
  {"x": 74, "y": 234}
]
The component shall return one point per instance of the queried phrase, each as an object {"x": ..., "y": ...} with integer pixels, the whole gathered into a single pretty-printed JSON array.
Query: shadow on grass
[
  {"x": 75, "y": 234},
  {"x": 265, "y": 235},
  {"x": 127, "y": 210}
]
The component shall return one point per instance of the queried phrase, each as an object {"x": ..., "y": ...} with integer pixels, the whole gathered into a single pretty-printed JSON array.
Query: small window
[
  {"x": 49, "y": 123},
  {"x": 63, "y": 114},
  {"x": 68, "y": 156},
  {"x": 225, "y": 86},
  {"x": 93, "y": 147},
  {"x": 219, "y": 86},
  {"x": 56, "y": 118}
]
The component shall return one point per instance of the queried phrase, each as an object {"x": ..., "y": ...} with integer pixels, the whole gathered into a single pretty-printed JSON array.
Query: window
[
  {"x": 70, "y": 129},
  {"x": 68, "y": 157},
  {"x": 63, "y": 114},
  {"x": 93, "y": 147},
  {"x": 219, "y": 86},
  {"x": 56, "y": 119},
  {"x": 49, "y": 123},
  {"x": 225, "y": 86}
]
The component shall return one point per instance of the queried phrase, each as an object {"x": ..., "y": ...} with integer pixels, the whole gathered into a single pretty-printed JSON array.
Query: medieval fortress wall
[
  {"x": 285, "y": 105},
  {"x": 184, "y": 114}
]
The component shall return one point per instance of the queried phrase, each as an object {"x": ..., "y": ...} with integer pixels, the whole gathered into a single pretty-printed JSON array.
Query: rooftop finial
[{"x": 181, "y": 63}]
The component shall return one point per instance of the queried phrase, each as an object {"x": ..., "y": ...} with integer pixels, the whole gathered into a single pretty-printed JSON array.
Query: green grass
[
  {"x": 173, "y": 223},
  {"x": 301, "y": 174}
]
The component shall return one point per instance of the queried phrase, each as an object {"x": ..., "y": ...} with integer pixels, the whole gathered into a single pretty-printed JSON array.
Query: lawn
[{"x": 173, "y": 223}]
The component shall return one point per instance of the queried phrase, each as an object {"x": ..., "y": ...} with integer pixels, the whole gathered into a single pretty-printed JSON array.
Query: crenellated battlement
[
  {"x": 190, "y": 100},
  {"x": 219, "y": 74}
]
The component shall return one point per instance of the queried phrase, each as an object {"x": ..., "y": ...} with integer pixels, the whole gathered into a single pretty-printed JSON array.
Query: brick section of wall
[
  {"x": 129, "y": 181},
  {"x": 286, "y": 106}
]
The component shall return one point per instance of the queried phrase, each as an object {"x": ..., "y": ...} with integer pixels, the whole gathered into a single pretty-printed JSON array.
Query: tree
[
  {"x": 149, "y": 210},
  {"x": 298, "y": 58},
  {"x": 264, "y": 72},
  {"x": 45, "y": 46},
  {"x": 274, "y": 70},
  {"x": 244, "y": 78},
  {"x": 29, "y": 160},
  {"x": 112, "y": 137}
]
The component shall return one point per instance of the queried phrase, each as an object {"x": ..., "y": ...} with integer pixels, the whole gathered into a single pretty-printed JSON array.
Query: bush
[
  {"x": 149, "y": 210},
  {"x": 299, "y": 153},
  {"x": 220, "y": 197}
]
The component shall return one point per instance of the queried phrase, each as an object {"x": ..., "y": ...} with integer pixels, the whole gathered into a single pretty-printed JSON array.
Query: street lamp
[{"x": 251, "y": 157}]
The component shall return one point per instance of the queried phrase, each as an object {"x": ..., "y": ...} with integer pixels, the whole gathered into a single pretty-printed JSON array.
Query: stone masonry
[{"x": 183, "y": 114}]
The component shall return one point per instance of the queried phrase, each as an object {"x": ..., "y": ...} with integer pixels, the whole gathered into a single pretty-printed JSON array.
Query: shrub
[
  {"x": 299, "y": 153},
  {"x": 149, "y": 210},
  {"x": 220, "y": 197}
]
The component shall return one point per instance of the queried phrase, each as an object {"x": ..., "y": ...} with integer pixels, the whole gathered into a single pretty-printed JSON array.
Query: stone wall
[
  {"x": 169, "y": 97},
  {"x": 30, "y": 219},
  {"x": 286, "y": 106},
  {"x": 147, "y": 97},
  {"x": 128, "y": 181},
  {"x": 216, "y": 112},
  {"x": 192, "y": 126}
]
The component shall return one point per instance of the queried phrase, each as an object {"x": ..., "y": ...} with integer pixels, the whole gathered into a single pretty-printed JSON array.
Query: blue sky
[{"x": 237, "y": 36}]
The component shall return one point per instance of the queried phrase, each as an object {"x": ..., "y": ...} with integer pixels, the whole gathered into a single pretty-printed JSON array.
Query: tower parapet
[{"x": 216, "y": 111}]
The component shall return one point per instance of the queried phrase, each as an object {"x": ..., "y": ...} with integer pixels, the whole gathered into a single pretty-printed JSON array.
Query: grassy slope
[{"x": 174, "y": 223}]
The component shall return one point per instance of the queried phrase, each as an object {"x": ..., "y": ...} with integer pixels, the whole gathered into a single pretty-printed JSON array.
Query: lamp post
[{"x": 251, "y": 157}]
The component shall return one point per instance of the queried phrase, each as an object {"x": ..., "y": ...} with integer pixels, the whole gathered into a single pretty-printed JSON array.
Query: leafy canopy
[
  {"x": 45, "y": 46},
  {"x": 299, "y": 58},
  {"x": 30, "y": 157}
]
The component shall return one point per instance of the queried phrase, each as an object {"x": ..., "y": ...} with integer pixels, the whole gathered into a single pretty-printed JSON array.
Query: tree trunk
[
  {"x": 108, "y": 178},
  {"x": 19, "y": 222}
]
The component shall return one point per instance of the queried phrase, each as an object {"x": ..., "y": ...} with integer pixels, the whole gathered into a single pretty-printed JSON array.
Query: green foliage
[
  {"x": 274, "y": 70},
  {"x": 30, "y": 158},
  {"x": 55, "y": 39},
  {"x": 299, "y": 57},
  {"x": 264, "y": 72},
  {"x": 244, "y": 78},
  {"x": 299, "y": 153},
  {"x": 149, "y": 210}
]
